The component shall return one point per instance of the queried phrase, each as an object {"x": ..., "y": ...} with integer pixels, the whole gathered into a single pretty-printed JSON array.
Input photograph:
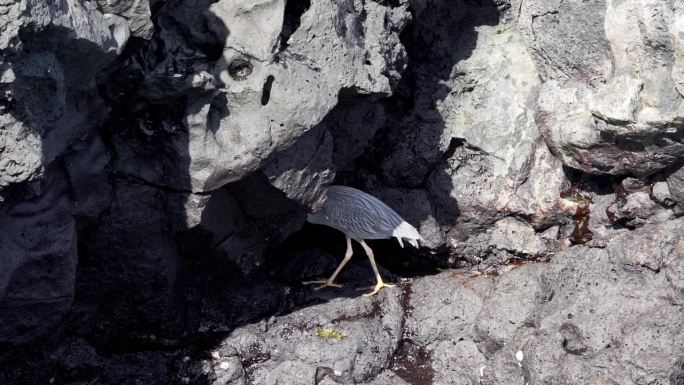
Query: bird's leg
[
  {"x": 330, "y": 282},
  {"x": 380, "y": 283}
]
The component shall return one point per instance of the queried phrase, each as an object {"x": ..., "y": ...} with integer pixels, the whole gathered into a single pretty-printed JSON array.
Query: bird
[{"x": 360, "y": 216}]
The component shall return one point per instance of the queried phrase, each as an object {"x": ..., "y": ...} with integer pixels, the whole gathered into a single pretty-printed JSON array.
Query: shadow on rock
[{"x": 154, "y": 299}]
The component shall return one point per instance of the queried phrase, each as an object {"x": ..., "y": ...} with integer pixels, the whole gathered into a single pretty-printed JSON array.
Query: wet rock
[{"x": 413, "y": 363}]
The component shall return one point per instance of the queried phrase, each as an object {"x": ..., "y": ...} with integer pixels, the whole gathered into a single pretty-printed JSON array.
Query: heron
[{"x": 361, "y": 216}]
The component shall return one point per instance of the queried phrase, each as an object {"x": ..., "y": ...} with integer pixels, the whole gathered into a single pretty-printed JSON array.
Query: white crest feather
[{"x": 408, "y": 232}]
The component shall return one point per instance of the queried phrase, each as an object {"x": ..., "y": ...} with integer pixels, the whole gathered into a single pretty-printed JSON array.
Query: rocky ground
[{"x": 157, "y": 160}]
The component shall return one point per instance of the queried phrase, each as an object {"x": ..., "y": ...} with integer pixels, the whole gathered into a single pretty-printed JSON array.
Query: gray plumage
[{"x": 362, "y": 216}]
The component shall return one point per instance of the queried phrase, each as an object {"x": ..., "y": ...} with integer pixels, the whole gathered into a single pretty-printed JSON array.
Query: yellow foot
[
  {"x": 322, "y": 283},
  {"x": 377, "y": 288}
]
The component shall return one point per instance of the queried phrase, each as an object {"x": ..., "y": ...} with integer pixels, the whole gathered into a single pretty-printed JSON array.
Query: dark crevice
[
  {"x": 454, "y": 143},
  {"x": 266, "y": 92},
  {"x": 294, "y": 9},
  {"x": 218, "y": 110},
  {"x": 134, "y": 179},
  {"x": 240, "y": 68},
  {"x": 390, "y": 3}
]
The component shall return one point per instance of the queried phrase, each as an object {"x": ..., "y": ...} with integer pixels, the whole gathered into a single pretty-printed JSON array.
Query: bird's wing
[{"x": 360, "y": 214}]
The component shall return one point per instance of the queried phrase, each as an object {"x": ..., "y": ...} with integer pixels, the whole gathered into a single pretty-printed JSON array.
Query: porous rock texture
[{"x": 157, "y": 160}]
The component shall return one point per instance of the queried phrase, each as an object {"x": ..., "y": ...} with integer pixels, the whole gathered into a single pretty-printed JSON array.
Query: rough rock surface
[
  {"x": 38, "y": 249},
  {"x": 610, "y": 103},
  {"x": 157, "y": 160},
  {"x": 611, "y": 315}
]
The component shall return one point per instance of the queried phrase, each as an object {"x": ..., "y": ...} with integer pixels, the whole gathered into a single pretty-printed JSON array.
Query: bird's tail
[{"x": 408, "y": 232}]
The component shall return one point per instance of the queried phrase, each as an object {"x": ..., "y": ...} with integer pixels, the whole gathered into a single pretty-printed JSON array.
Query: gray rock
[
  {"x": 559, "y": 322},
  {"x": 348, "y": 340},
  {"x": 52, "y": 53},
  {"x": 88, "y": 172},
  {"x": 246, "y": 107},
  {"x": 78, "y": 356},
  {"x": 636, "y": 210},
  {"x": 387, "y": 378},
  {"x": 259, "y": 213},
  {"x": 661, "y": 194},
  {"x": 502, "y": 315},
  {"x": 184, "y": 163},
  {"x": 602, "y": 112},
  {"x": 137, "y": 14},
  {"x": 518, "y": 238},
  {"x": 455, "y": 298},
  {"x": 675, "y": 182},
  {"x": 227, "y": 368},
  {"x": 497, "y": 163},
  {"x": 292, "y": 372},
  {"x": 566, "y": 38},
  {"x": 536, "y": 323},
  {"x": 139, "y": 272},
  {"x": 303, "y": 170},
  {"x": 38, "y": 264}
]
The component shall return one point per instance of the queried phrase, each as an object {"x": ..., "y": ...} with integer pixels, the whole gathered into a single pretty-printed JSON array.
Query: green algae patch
[{"x": 329, "y": 333}]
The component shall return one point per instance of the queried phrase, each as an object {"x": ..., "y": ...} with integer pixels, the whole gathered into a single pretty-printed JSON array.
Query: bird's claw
[
  {"x": 322, "y": 283},
  {"x": 377, "y": 288}
]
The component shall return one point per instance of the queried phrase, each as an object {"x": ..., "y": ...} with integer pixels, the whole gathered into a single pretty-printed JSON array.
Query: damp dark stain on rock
[
  {"x": 517, "y": 262},
  {"x": 413, "y": 363},
  {"x": 580, "y": 233},
  {"x": 374, "y": 312},
  {"x": 405, "y": 301}
]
